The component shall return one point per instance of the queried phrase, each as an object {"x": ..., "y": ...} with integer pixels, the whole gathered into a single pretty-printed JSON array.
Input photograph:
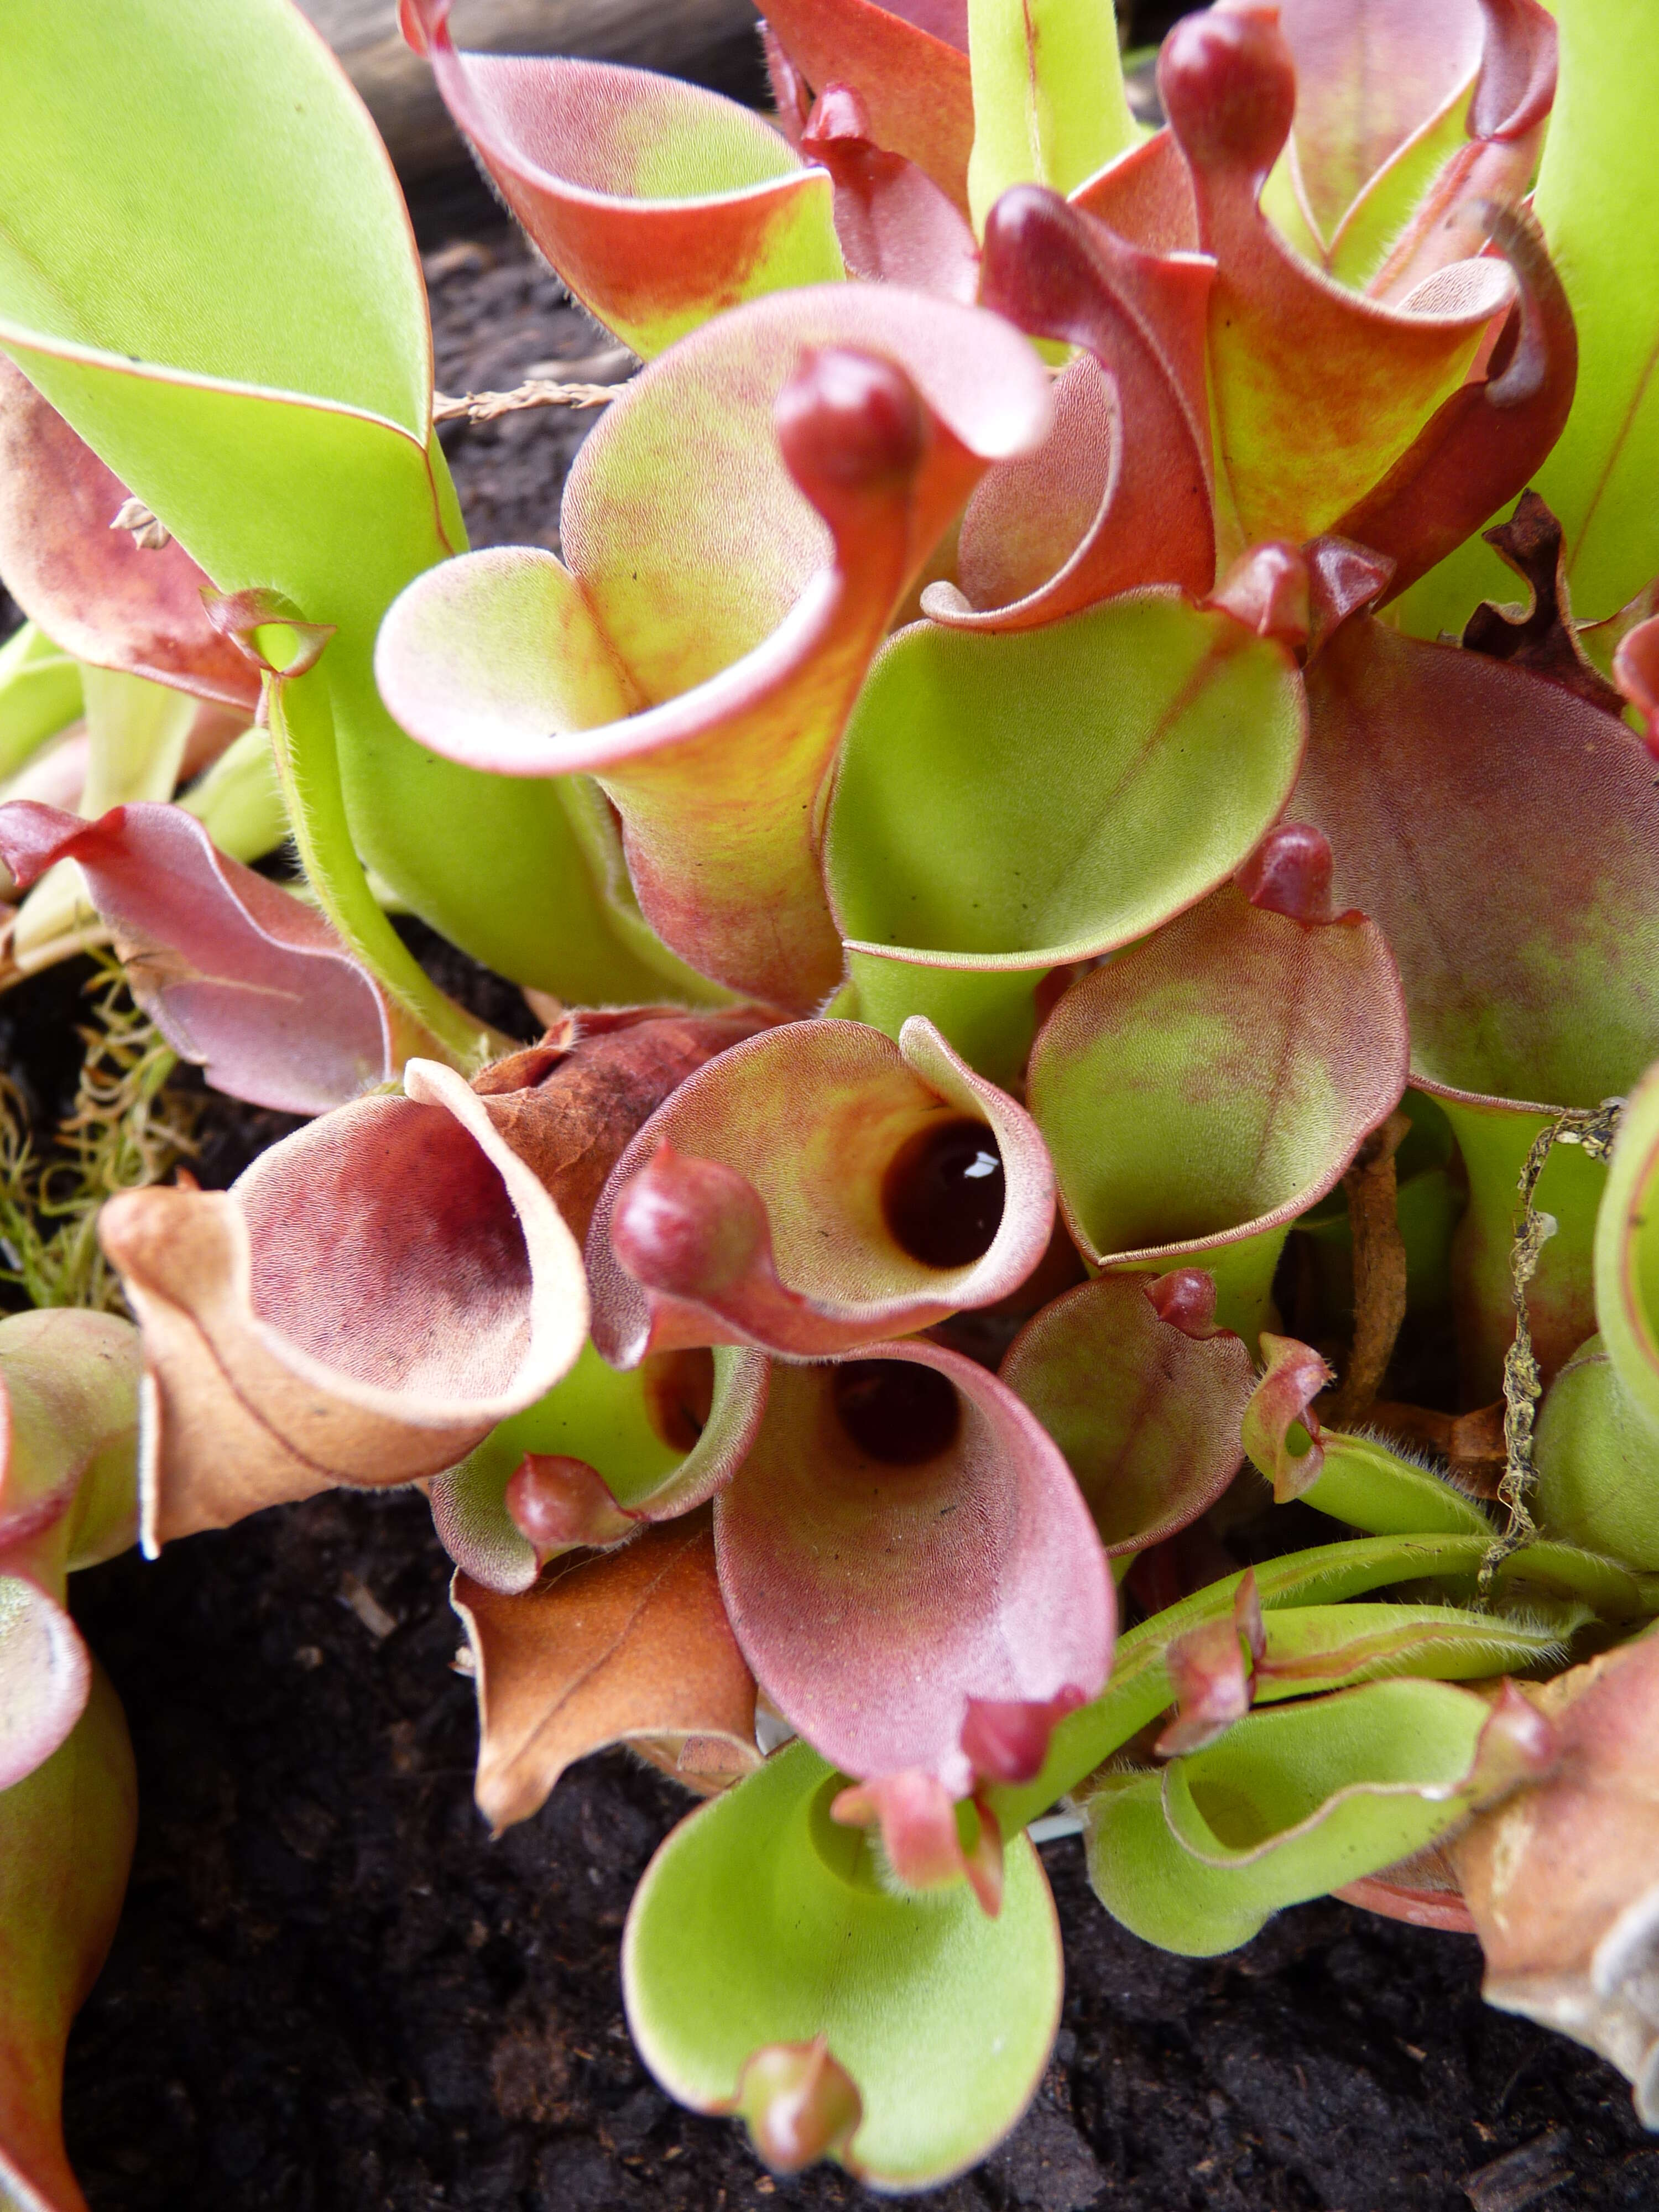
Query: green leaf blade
[
  {"x": 759, "y": 1921},
  {"x": 1292, "y": 1803},
  {"x": 277, "y": 416}
]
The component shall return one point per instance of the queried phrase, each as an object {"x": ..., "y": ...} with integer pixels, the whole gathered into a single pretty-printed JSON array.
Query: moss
[{"x": 125, "y": 1129}]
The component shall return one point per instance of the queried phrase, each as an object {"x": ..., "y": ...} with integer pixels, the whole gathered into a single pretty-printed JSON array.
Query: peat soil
[{"x": 333, "y": 1992}]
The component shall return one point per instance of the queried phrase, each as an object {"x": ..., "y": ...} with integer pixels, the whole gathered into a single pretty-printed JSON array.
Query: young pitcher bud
[
  {"x": 1281, "y": 1431},
  {"x": 1007, "y": 1740},
  {"x": 557, "y": 1505},
  {"x": 917, "y": 1817},
  {"x": 1519, "y": 1743},
  {"x": 849, "y": 422},
  {"x": 927, "y": 1839},
  {"x": 799, "y": 2103},
  {"x": 1266, "y": 589},
  {"x": 1212, "y": 1668},
  {"x": 689, "y": 1226},
  {"x": 1228, "y": 86},
  {"x": 1289, "y": 873},
  {"x": 1185, "y": 1297}
]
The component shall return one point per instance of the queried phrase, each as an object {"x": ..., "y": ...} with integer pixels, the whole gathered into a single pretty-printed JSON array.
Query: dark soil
[
  {"x": 333, "y": 1992},
  {"x": 500, "y": 317}
]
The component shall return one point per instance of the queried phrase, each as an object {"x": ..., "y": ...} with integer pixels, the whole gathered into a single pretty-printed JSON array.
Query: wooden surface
[{"x": 710, "y": 42}]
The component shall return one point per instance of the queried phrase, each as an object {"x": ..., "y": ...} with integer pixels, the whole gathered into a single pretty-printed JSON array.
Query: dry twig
[
  {"x": 536, "y": 391},
  {"x": 1594, "y": 1129},
  {"x": 148, "y": 535}
]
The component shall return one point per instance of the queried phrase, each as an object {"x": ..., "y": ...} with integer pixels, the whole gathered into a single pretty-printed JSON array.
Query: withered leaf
[
  {"x": 1543, "y": 639},
  {"x": 568, "y": 1106},
  {"x": 625, "y": 1646},
  {"x": 1562, "y": 1878}
]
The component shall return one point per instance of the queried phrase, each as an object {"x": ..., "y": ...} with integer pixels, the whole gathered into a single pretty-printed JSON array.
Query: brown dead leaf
[
  {"x": 361, "y": 1307},
  {"x": 1563, "y": 1877},
  {"x": 1472, "y": 1444},
  {"x": 625, "y": 1646},
  {"x": 1541, "y": 637},
  {"x": 569, "y": 1104}
]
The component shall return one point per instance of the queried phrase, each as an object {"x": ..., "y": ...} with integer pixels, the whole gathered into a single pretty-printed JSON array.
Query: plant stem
[
  {"x": 308, "y": 768},
  {"x": 1140, "y": 1687}
]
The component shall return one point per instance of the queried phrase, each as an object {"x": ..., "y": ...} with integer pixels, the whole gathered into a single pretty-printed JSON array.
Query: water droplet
[
  {"x": 898, "y": 1411},
  {"x": 943, "y": 1194}
]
